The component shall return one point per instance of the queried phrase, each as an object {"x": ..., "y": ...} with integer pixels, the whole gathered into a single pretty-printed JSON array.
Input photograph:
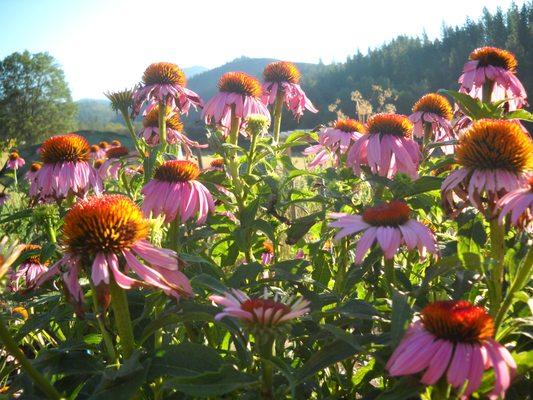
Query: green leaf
[
  {"x": 208, "y": 282},
  {"x": 186, "y": 359},
  {"x": 424, "y": 184},
  {"x": 17, "y": 215},
  {"x": 405, "y": 389},
  {"x": 524, "y": 115},
  {"x": 330, "y": 354},
  {"x": 218, "y": 383},
  {"x": 358, "y": 309},
  {"x": 301, "y": 226},
  {"x": 470, "y": 106},
  {"x": 400, "y": 318},
  {"x": 243, "y": 273}
]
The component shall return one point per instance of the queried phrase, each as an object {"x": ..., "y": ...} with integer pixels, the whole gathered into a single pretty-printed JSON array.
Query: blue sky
[{"x": 106, "y": 44}]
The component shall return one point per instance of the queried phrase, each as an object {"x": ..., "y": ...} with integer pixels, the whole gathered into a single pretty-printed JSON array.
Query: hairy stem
[
  {"x": 497, "y": 253},
  {"x": 121, "y": 311},
  {"x": 98, "y": 313},
  {"x": 278, "y": 111}
]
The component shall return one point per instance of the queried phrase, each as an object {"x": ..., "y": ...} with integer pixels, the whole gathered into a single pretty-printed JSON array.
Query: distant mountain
[
  {"x": 194, "y": 70},
  {"x": 205, "y": 83}
]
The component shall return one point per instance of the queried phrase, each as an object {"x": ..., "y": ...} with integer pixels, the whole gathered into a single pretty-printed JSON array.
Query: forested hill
[
  {"x": 409, "y": 67},
  {"x": 412, "y": 67}
]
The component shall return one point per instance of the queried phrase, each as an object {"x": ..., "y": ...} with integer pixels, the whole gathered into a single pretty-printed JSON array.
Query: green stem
[
  {"x": 390, "y": 274},
  {"x": 50, "y": 231},
  {"x": 342, "y": 267},
  {"x": 121, "y": 311},
  {"x": 12, "y": 347},
  {"x": 131, "y": 131},
  {"x": 427, "y": 135},
  {"x": 251, "y": 152},
  {"x": 378, "y": 191},
  {"x": 486, "y": 94},
  {"x": 15, "y": 178},
  {"x": 278, "y": 111},
  {"x": 523, "y": 275},
  {"x": 174, "y": 234},
  {"x": 267, "y": 371},
  {"x": 162, "y": 126},
  {"x": 497, "y": 253},
  {"x": 98, "y": 313}
]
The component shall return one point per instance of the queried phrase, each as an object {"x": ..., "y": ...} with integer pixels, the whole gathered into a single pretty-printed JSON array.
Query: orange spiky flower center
[
  {"x": 394, "y": 213},
  {"x": 268, "y": 246},
  {"x": 177, "y": 171},
  {"x": 107, "y": 224},
  {"x": 116, "y": 143},
  {"x": 458, "y": 321},
  {"x": 98, "y": 163},
  {"x": 495, "y": 144},
  {"x": 14, "y": 156},
  {"x": 94, "y": 148},
  {"x": 117, "y": 152},
  {"x": 349, "y": 125},
  {"x": 36, "y": 166},
  {"x": 70, "y": 147},
  {"x": 240, "y": 82},
  {"x": 435, "y": 104},
  {"x": 281, "y": 71},
  {"x": 164, "y": 73},
  {"x": 173, "y": 121},
  {"x": 495, "y": 57},
  {"x": 35, "y": 258},
  {"x": 530, "y": 182},
  {"x": 390, "y": 124},
  {"x": 103, "y": 144},
  {"x": 217, "y": 163},
  {"x": 265, "y": 304}
]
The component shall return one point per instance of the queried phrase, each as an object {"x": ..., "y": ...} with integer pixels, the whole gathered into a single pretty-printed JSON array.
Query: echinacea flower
[
  {"x": 217, "y": 164},
  {"x": 115, "y": 158},
  {"x": 496, "y": 68},
  {"x": 32, "y": 171},
  {"x": 165, "y": 82},
  {"x": 282, "y": 77},
  {"x": 268, "y": 254},
  {"x": 434, "y": 111},
  {"x": 519, "y": 205},
  {"x": 65, "y": 170},
  {"x": 150, "y": 130},
  {"x": 259, "y": 311},
  {"x": 28, "y": 270},
  {"x": 175, "y": 193},
  {"x": 239, "y": 93},
  {"x": 96, "y": 152},
  {"x": 494, "y": 157},
  {"x": 104, "y": 236},
  {"x": 388, "y": 224},
  {"x": 454, "y": 339},
  {"x": 334, "y": 141},
  {"x": 387, "y": 147},
  {"x": 15, "y": 161}
]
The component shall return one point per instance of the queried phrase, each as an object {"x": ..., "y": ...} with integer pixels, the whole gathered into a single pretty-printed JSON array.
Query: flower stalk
[
  {"x": 278, "y": 111},
  {"x": 497, "y": 253},
  {"x": 121, "y": 311},
  {"x": 12, "y": 347}
]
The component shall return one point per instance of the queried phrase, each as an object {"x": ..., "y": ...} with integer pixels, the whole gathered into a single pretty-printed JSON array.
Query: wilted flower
[
  {"x": 494, "y": 156},
  {"x": 65, "y": 170},
  {"x": 239, "y": 92},
  {"x": 387, "y": 148},
  {"x": 15, "y": 161},
  {"x": 283, "y": 77},
  {"x": 435, "y": 111},
  {"x": 175, "y": 193},
  {"x": 28, "y": 270},
  {"x": 334, "y": 141},
  {"x": 107, "y": 233},
  {"x": 165, "y": 82},
  {"x": 519, "y": 204},
  {"x": 497, "y": 68},
  {"x": 456, "y": 338},
  {"x": 150, "y": 130},
  {"x": 260, "y": 311},
  {"x": 388, "y": 224}
]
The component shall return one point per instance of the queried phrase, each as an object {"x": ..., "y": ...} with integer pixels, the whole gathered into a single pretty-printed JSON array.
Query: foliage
[{"x": 35, "y": 100}]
